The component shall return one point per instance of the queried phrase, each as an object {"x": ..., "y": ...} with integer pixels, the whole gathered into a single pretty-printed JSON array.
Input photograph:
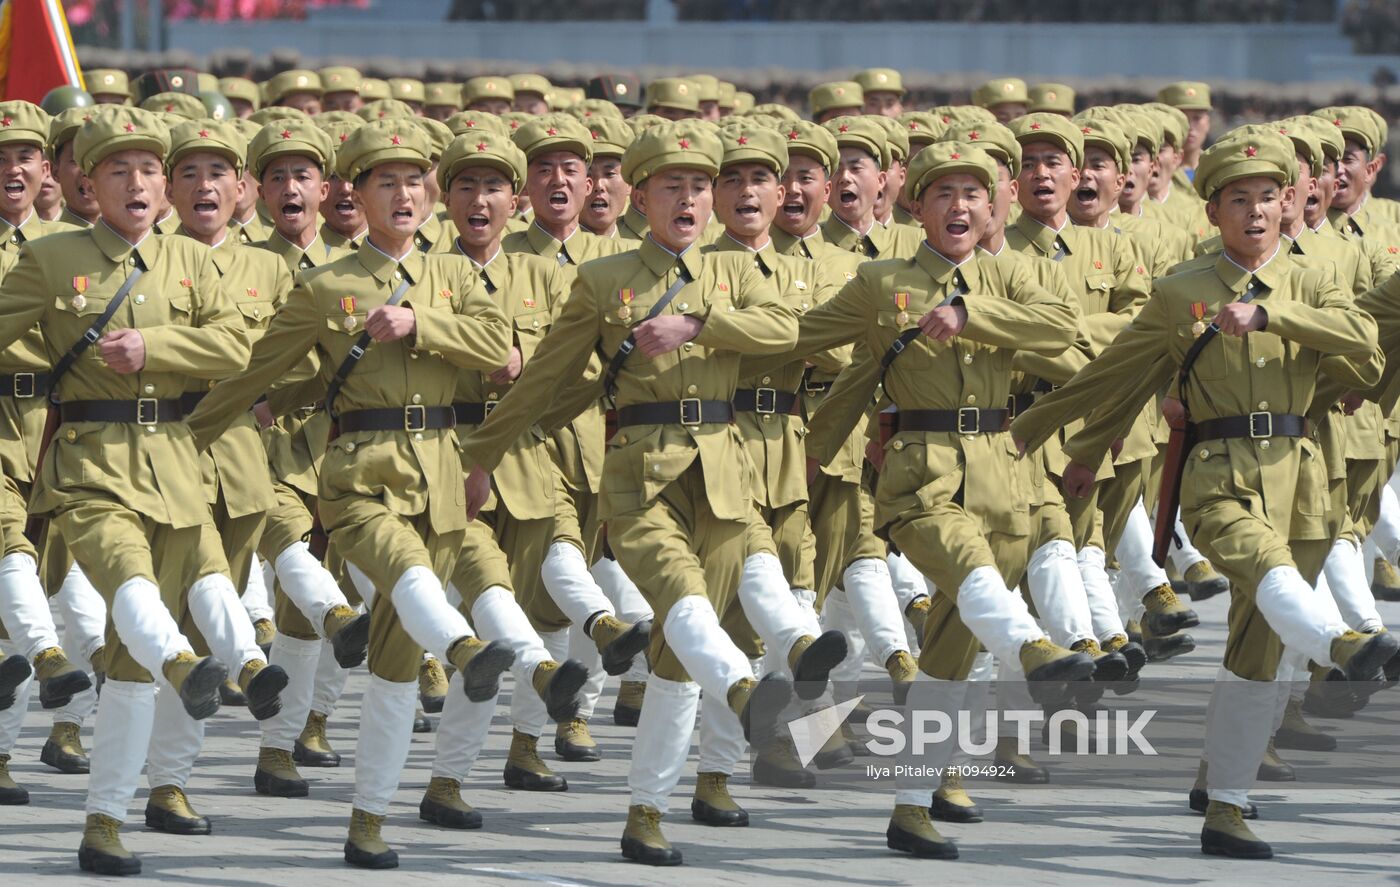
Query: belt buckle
[
  {"x": 415, "y": 418},
  {"x": 969, "y": 420},
  {"x": 814, "y": 387},
  {"x": 765, "y": 400},
  {"x": 487, "y": 407},
  {"x": 1011, "y": 406},
  {"x": 147, "y": 411},
  {"x": 1261, "y": 425},
  {"x": 690, "y": 411},
  {"x": 24, "y": 385}
]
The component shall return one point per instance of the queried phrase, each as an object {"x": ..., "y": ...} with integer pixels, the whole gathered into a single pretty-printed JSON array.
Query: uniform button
[
  {"x": 898, "y": 445},
  {"x": 150, "y": 429},
  {"x": 71, "y": 435},
  {"x": 149, "y": 388},
  {"x": 350, "y": 447},
  {"x": 398, "y": 275},
  {"x": 417, "y": 435},
  {"x": 805, "y": 306},
  {"x": 140, "y": 299},
  {"x": 492, "y": 396},
  {"x": 767, "y": 417},
  {"x": 1264, "y": 444},
  {"x": 535, "y": 324},
  {"x": 731, "y": 308},
  {"x": 14, "y": 239},
  {"x": 417, "y": 398},
  {"x": 767, "y": 379},
  {"x": 622, "y": 438},
  {"x": 211, "y": 384},
  {"x": 683, "y": 306},
  {"x": 687, "y": 347},
  {"x": 131, "y": 261},
  {"x": 1204, "y": 454},
  {"x": 972, "y": 398},
  {"x": 691, "y": 389},
  {"x": 1263, "y": 405},
  {"x": 413, "y": 354},
  {"x": 257, "y": 313},
  {"x": 1259, "y": 361},
  {"x": 967, "y": 358}
]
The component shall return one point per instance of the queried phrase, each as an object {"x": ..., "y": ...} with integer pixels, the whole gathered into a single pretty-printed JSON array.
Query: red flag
[{"x": 36, "y": 50}]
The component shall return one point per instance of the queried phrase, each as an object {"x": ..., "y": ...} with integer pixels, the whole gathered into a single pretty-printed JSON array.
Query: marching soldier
[{"x": 860, "y": 180}]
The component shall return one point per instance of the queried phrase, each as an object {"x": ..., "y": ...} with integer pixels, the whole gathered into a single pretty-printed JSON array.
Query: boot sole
[
  {"x": 14, "y": 671},
  {"x": 158, "y": 820},
  {"x": 200, "y": 692},
  {"x": 1304, "y": 741},
  {"x": 626, "y": 716},
  {"x": 481, "y": 679},
  {"x": 360, "y": 859},
  {"x": 422, "y": 725},
  {"x": 1234, "y": 849},
  {"x": 813, "y": 670},
  {"x": 431, "y": 704},
  {"x": 1163, "y": 624},
  {"x": 1009, "y": 772},
  {"x": 1204, "y": 591},
  {"x": 62, "y": 761},
  {"x": 1163, "y": 648},
  {"x": 772, "y": 695},
  {"x": 524, "y": 780},
  {"x": 830, "y": 760},
  {"x": 307, "y": 758},
  {"x": 898, "y": 839},
  {"x": 708, "y": 814},
  {"x": 264, "y": 691},
  {"x": 1110, "y": 667},
  {"x": 778, "y": 777},
  {"x": 944, "y": 811},
  {"x": 576, "y": 754},
  {"x": 351, "y": 643},
  {"x": 1369, "y": 662},
  {"x": 59, "y": 691},
  {"x": 106, "y": 864},
  {"x": 1276, "y": 774},
  {"x": 14, "y": 797},
  {"x": 1047, "y": 684},
  {"x": 265, "y": 783},
  {"x": 446, "y": 817},
  {"x": 639, "y": 852},
  {"x": 618, "y": 656},
  {"x": 561, "y": 696}
]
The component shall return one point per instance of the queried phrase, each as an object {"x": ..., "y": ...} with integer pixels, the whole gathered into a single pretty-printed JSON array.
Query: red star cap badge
[
  {"x": 395, "y": 140},
  {"x": 471, "y": 124},
  {"x": 170, "y": 107},
  {"x": 130, "y": 127},
  {"x": 1251, "y": 151},
  {"x": 1035, "y": 126},
  {"x": 743, "y": 140},
  {"x": 685, "y": 143},
  {"x": 344, "y": 136},
  {"x": 286, "y": 133},
  {"x": 6, "y": 121},
  {"x": 974, "y": 135},
  {"x": 955, "y": 155},
  {"x": 481, "y": 146},
  {"x": 913, "y": 125},
  {"x": 551, "y": 131},
  {"x": 843, "y": 128},
  {"x": 792, "y": 136},
  {"x": 1086, "y": 130},
  {"x": 204, "y": 133}
]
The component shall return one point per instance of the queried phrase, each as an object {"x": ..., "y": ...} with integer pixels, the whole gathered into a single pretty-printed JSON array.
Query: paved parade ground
[{"x": 1041, "y": 836}]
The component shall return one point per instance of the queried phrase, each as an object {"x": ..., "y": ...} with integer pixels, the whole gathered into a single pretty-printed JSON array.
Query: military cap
[
  {"x": 513, "y": 120},
  {"x": 951, "y": 114},
  {"x": 1306, "y": 141},
  {"x": 107, "y": 81},
  {"x": 707, "y": 87},
  {"x": 880, "y": 80},
  {"x": 946, "y": 158},
  {"x": 341, "y": 79},
  {"x": 773, "y": 109},
  {"x": 1050, "y": 128},
  {"x": 380, "y": 108},
  {"x": 23, "y": 122},
  {"x": 163, "y": 80},
  {"x": 372, "y": 89},
  {"x": 1001, "y": 91},
  {"x": 611, "y": 136},
  {"x": 743, "y": 101},
  {"x": 1243, "y": 155},
  {"x": 63, "y": 97},
  {"x": 863, "y": 133},
  {"x": 996, "y": 139},
  {"x": 673, "y": 92},
  {"x": 478, "y": 88},
  {"x": 440, "y": 95},
  {"x": 491, "y": 149},
  {"x": 1382, "y": 127},
  {"x": 776, "y": 123},
  {"x": 831, "y": 96},
  {"x": 727, "y": 92},
  {"x": 407, "y": 89},
  {"x": 179, "y": 103},
  {"x": 215, "y": 136},
  {"x": 554, "y": 132},
  {"x": 1174, "y": 123},
  {"x": 747, "y": 142},
  {"x": 812, "y": 140},
  {"x": 1353, "y": 123},
  {"x": 206, "y": 82},
  {"x": 288, "y": 82},
  {"x": 685, "y": 143},
  {"x": 299, "y": 137},
  {"x": 1329, "y": 137},
  {"x": 391, "y": 140},
  {"x": 338, "y": 124},
  {"x": 561, "y": 98},
  {"x": 241, "y": 88},
  {"x": 121, "y": 129},
  {"x": 264, "y": 116},
  {"x": 896, "y": 136},
  {"x": 438, "y": 134},
  {"x": 620, "y": 89},
  {"x": 65, "y": 125},
  {"x": 246, "y": 128},
  {"x": 464, "y": 122},
  {"x": 1186, "y": 95},
  {"x": 535, "y": 83},
  {"x": 921, "y": 127},
  {"x": 1053, "y": 98},
  {"x": 1145, "y": 126},
  {"x": 1109, "y": 136},
  {"x": 642, "y": 122},
  {"x": 589, "y": 109}
]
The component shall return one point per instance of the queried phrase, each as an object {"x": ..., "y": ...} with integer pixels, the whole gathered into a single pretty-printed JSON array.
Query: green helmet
[
  {"x": 61, "y": 98},
  {"x": 219, "y": 108}
]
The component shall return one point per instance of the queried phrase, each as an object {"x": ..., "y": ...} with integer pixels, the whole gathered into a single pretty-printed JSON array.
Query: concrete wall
[{"x": 1212, "y": 52}]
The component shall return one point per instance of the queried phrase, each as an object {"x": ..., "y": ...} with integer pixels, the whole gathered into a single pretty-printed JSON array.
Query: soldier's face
[
  {"x": 858, "y": 182},
  {"x": 339, "y": 209},
  {"x": 806, "y": 189},
  {"x": 242, "y": 107},
  {"x": 23, "y": 169},
  {"x": 608, "y": 201},
  {"x": 558, "y": 185},
  {"x": 1139, "y": 174},
  {"x": 392, "y": 197},
  {"x": 1007, "y": 188},
  {"x": 1100, "y": 183},
  {"x": 955, "y": 211},
  {"x": 1304, "y": 190},
  {"x": 434, "y": 193},
  {"x": 1047, "y": 179},
  {"x": 710, "y": 111},
  {"x": 308, "y": 102},
  {"x": 293, "y": 189},
  {"x": 1355, "y": 174},
  {"x": 490, "y": 106},
  {"x": 833, "y": 113},
  {"x": 1248, "y": 213},
  {"x": 49, "y": 196},
  {"x": 1198, "y": 129},
  {"x": 439, "y": 112},
  {"x": 531, "y": 103},
  {"x": 480, "y": 200},
  {"x": 672, "y": 113},
  {"x": 76, "y": 188},
  {"x": 204, "y": 189},
  {"x": 1008, "y": 111},
  {"x": 883, "y": 104},
  {"x": 1168, "y": 159},
  {"x": 747, "y": 196},
  {"x": 130, "y": 189},
  {"x": 249, "y": 198},
  {"x": 342, "y": 100},
  {"x": 1320, "y": 200},
  {"x": 894, "y": 184},
  {"x": 677, "y": 204}
]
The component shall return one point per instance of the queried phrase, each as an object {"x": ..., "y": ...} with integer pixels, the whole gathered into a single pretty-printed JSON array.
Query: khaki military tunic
[
  {"x": 256, "y": 230},
  {"x": 390, "y": 500},
  {"x": 676, "y": 497},
  {"x": 68, "y": 217},
  {"x": 1250, "y": 505},
  {"x": 894, "y": 242},
  {"x": 338, "y": 241}
]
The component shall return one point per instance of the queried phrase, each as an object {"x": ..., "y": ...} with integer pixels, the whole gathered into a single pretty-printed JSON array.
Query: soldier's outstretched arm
[
  {"x": 1032, "y": 319},
  {"x": 216, "y": 346},
  {"x": 759, "y": 324},
  {"x": 1331, "y": 326},
  {"x": 24, "y": 296},
  {"x": 475, "y": 336}
]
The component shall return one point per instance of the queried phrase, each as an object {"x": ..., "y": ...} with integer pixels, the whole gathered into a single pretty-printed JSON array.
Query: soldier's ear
[{"x": 1213, "y": 209}]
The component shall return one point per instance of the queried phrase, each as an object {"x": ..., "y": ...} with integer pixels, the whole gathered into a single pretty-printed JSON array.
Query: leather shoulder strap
[
  {"x": 629, "y": 344},
  {"x": 357, "y": 352},
  {"x": 92, "y": 333}
]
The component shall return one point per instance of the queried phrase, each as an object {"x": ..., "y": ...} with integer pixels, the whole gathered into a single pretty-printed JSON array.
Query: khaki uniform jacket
[
  {"x": 894, "y": 242},
  {"x": 742, "y": 314},
  {"x": 458, "y": 327},
  {"x": 339, "y": 241},
  {"x": 191, "y": 329},
  {"x": 68, "y": 217},
  {"x": 256, "y": 230}
]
